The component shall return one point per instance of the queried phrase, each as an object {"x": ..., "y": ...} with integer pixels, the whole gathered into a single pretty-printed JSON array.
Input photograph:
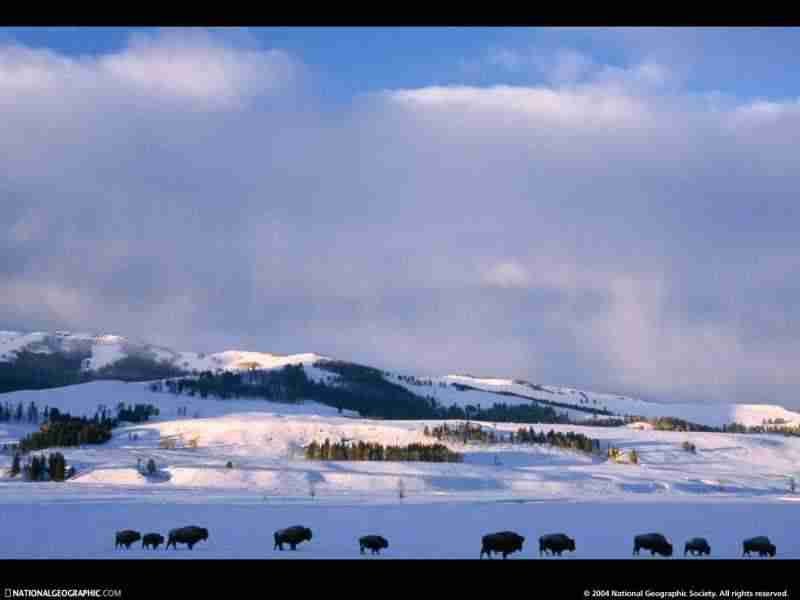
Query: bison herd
[
  {"x": 508, "y": 542},
  {"x": 501, "y": 542},
  {"x": 191, "y": 535},
  {"x": 185, "y": 535}
]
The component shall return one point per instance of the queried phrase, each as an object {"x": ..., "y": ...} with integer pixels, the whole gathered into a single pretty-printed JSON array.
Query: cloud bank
[{"x": 605, "y": 228}]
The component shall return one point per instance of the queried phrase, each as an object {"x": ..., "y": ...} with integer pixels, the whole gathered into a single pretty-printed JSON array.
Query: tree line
[
  {"x": 20, "y": 413},
  {"x": 34, "y": 371},
  {"x": 63, "y": 430},
  {"x": 371, "y": 451},
  {"x": 470, "y": 432},
  {"x": 136, "y": 414},
  {"x": 41, "y": 468}
]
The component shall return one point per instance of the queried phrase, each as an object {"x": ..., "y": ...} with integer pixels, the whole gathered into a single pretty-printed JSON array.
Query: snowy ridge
[
  {"x": 711, "y": 414},
  {"x": 460, "y": 390},
  {"x": 105, "y": 350}
]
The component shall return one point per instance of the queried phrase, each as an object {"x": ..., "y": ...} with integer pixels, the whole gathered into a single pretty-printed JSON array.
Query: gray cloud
[{"x": 593, "y": 232}]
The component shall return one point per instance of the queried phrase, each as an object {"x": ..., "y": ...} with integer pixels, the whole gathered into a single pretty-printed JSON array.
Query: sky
[{"x": 613, "y": 209}]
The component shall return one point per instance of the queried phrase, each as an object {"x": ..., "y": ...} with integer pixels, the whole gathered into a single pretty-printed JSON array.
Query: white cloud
[
  {"x": 197, "y": 69},
  {"x": 189, "y": 68},
  {"x": 588, "y": 106}
]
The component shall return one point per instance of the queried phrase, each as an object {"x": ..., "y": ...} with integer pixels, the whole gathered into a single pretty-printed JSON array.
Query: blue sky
[
  {"x": 744, "y": 62},
  {"x": 608, "y": 208}
]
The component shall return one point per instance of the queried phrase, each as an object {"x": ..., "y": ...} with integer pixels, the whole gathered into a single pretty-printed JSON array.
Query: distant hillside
[{"x": 41, "y": 360}]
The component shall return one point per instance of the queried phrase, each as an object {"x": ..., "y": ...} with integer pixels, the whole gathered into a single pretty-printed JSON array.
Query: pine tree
[
  {"x": 15, "y": 465},
  {"x": 35, "y": 471}
]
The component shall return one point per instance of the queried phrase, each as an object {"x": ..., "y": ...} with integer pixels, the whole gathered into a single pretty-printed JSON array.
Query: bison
[
  {"x": 152, "y": 539},
  {"x": 556, "y": 543},
  {"x": 655, "y": 542},
  {"x": 292, "y": 536},
  {"x": 126, "y": 538},
  {"x": 373, "y": 542},
  {"x": 697, "y": 546},
  {"x": 503, "y": 542},
  {"x": 186, "y": 535},
  {"x": 760, "y": 544}
]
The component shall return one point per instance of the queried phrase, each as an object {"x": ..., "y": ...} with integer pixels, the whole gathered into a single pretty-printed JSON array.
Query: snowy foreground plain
[{"x": 734, "y": 487}]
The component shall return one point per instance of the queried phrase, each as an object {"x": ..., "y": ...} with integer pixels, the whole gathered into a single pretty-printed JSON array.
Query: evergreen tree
[{"x": 15, "y": 465}]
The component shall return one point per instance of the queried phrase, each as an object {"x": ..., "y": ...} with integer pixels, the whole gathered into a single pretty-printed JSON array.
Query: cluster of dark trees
[
  {"x": 137, "y": 368},
  {"x": 279, "y": 385},
  {"x": 34, "y": 371},
  {"x": 675, "y": 424},
  {"x": 65, "y": 430},
  {"x": 411, "y": 380},
  {"x": 571, "y": 440},
  {"x": 787, "y": 430},
  {"x": 672, "y": 424},
  {"x": 515, "y": 413},
  {"x": 41, "y": 468},
  {"x": 462, "y": 432},
  {"x": 469, "y": 432},
  {"x": 136, "y": 414},
  {"x": 378, "y": 452},
  {"x": 20, "y": 414}
]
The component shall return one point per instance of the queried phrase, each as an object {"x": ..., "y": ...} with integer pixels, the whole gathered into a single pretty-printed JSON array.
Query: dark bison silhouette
[
  {"x": 697, "y": 546},
  {"x": 373, "y": 542},
  {"x": 555, "y": 543},
  {"x": 503, "y": 542},
  {"x": 152, "y": 539},
  {"x": 292, "y": 536},
  {"x": 126, "y": 538},
  {"x": 186, "y": 535},
  {"x": 760, "y": 544},
  {"x": 655, "y": 542}
]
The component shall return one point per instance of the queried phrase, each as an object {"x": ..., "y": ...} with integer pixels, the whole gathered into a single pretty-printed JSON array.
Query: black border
[
  {"x": 394, "y": 14},
  {"x": 558, "y": 578}
]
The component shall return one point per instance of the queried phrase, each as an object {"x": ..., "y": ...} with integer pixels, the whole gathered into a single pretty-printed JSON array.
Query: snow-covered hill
[
  {"x": 100, "y": 352},
  {"x": 104, "y": 350},
  {"x": 465, "y": 390}
]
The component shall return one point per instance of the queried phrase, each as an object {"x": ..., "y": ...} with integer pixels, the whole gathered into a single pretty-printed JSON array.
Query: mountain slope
[{"x": 40, "y": 360}]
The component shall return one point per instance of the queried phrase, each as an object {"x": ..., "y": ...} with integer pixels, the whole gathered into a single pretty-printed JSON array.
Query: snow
[
  {"x": 104, "y": 354},
  {"x": 734, "y": 486},
  {"x": 84, "y": 400},
  {"x": 106, "y": 349},
  {"x": 239, "y": 530},
  {"x": 711, "y": 414},
  {"x": 12, "y": 341},
  {"x": 241, "y": 360}
]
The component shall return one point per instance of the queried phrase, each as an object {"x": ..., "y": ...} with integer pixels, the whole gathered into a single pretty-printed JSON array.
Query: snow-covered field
[
  {"x": 735, "y": 486},
  {"x": 237, "y": 529}
]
